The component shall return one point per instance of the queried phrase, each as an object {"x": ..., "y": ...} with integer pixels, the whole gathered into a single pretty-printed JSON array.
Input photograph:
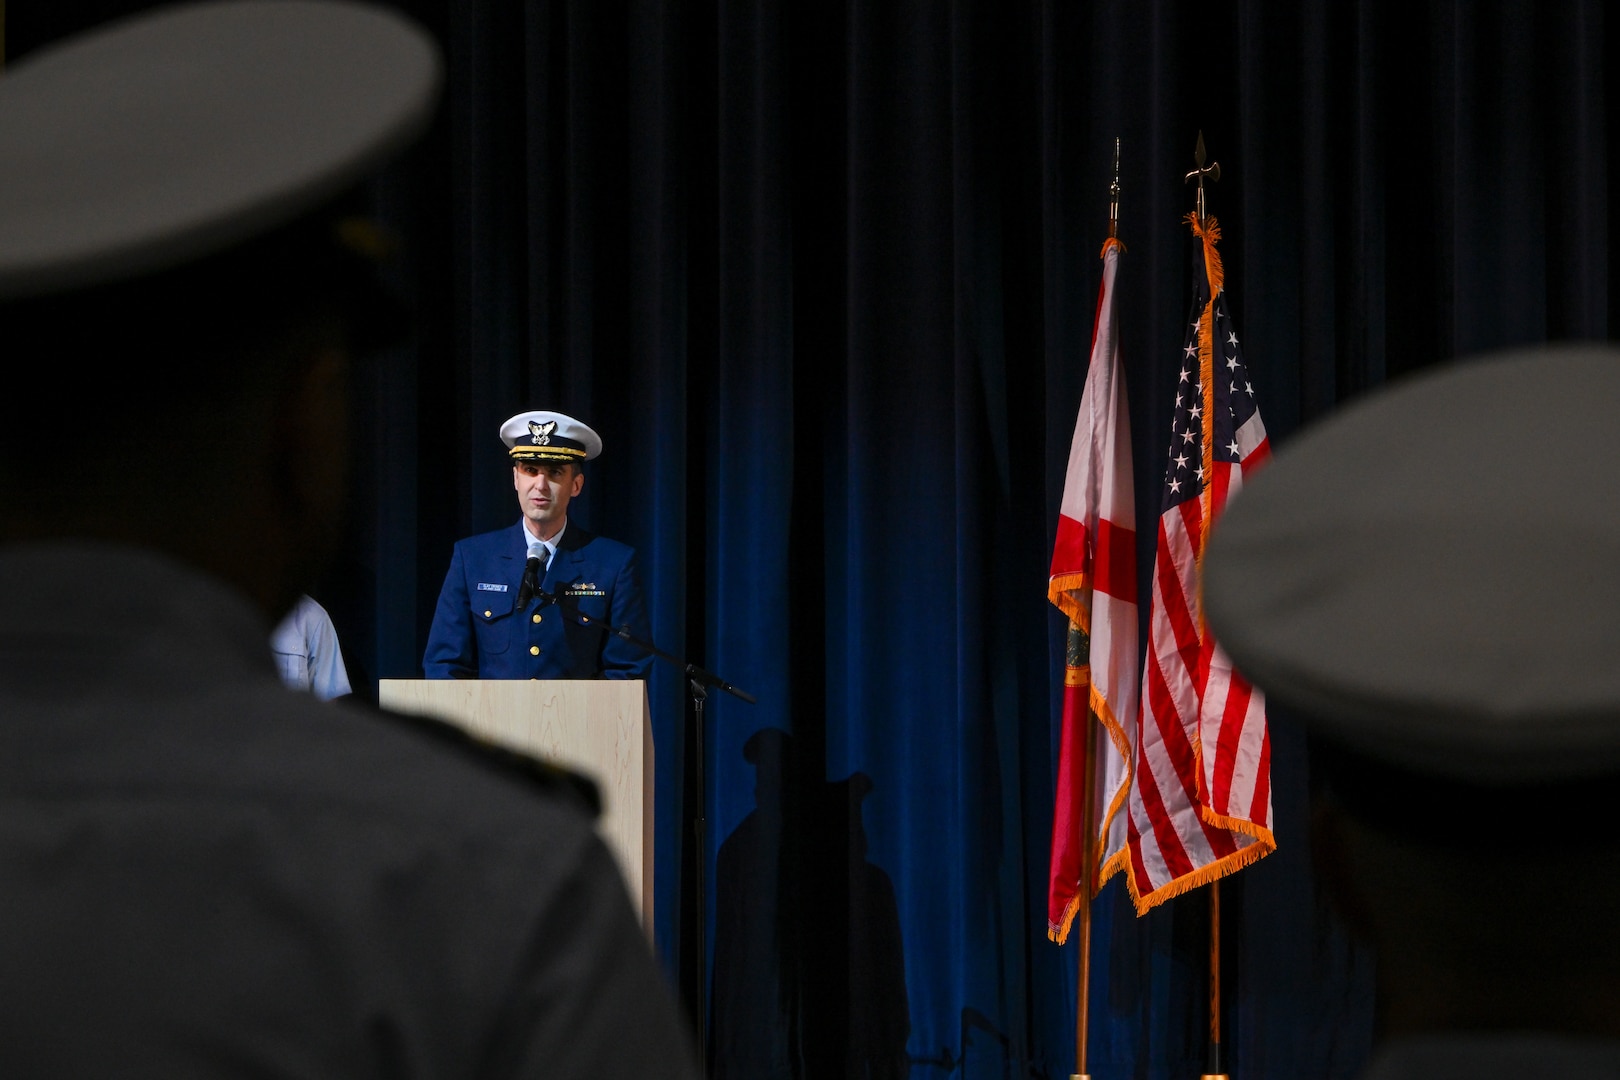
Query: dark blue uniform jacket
[{"x": 478, "y": 634}]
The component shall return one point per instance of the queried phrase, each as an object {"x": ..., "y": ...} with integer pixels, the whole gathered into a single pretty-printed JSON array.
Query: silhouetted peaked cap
[
  {"x": 769, "y": 744},
  {"x": 1431, "y": 576},
  {"x": 180, "y": 133}
]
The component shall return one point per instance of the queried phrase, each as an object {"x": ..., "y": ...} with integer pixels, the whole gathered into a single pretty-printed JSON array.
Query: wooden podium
[{"x": 599, "y": 727}]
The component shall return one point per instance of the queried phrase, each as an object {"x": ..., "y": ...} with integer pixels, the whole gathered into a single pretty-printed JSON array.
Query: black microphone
[{"x": 531, "y": 576}]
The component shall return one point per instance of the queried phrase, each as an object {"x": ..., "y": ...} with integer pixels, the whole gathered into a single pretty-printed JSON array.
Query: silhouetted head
[
  {"x": 1430, "y": 579},
  {"x": 184, "y": 278}
]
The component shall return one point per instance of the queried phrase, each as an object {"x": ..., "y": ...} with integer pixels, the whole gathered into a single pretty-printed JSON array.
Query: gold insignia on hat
[{"x": 549, "y": 436}]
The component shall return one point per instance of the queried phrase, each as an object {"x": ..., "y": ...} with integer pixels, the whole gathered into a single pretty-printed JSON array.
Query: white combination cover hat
[{"x": 549, "y": 436}]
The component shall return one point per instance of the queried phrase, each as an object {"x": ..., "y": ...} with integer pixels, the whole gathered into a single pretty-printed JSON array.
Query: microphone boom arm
[{"x": 699, "y": 676}]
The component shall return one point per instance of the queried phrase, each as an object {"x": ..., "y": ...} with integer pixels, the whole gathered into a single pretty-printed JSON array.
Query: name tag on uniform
[{"x": 484, "y": 586}]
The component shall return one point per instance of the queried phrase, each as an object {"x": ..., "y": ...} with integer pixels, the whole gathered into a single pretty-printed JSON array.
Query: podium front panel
[{"x": 599, "y": 727}]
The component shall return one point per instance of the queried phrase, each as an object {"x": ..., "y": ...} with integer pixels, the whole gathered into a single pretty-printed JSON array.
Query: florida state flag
[{"x": 1094, "y": 583}]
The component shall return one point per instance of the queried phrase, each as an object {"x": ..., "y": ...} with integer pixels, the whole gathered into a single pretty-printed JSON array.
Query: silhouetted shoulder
[{"x": 543, "y": 777}]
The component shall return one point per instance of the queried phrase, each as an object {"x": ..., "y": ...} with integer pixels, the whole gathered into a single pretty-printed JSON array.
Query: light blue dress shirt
[{"x": 307, "y": 652}]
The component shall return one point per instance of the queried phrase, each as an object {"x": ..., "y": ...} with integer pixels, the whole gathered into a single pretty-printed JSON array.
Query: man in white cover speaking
[{"x": 534, "y": 600}]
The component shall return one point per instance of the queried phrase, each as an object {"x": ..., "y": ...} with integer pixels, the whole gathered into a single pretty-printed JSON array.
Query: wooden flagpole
[
  {"x": 1088, "y": 872},
  {"x": 1088, "y": 817},
  {"x": 1215, "y": 1066},
  {"x": 1216, "y": 1069}
]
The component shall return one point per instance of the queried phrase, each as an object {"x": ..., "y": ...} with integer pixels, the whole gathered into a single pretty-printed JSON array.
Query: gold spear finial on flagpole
[
  {"x": 1213, "y": 171},
  {"x": 1113, "y": 196}
]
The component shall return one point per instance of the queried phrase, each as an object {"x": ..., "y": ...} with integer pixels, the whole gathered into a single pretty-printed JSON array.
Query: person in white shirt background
[{"x": 307, "y": 652}]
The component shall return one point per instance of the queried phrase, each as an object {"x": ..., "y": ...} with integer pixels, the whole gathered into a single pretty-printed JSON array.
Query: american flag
[
  {"x": 1200, "y": 804},
  {"x": 1093, "y": 581}
]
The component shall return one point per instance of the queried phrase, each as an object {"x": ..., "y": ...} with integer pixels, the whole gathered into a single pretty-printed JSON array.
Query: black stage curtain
[{"x": 823, "y": 276}]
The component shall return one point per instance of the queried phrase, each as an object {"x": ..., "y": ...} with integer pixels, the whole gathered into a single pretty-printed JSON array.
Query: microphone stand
[{"x": 700, "y": 681}]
